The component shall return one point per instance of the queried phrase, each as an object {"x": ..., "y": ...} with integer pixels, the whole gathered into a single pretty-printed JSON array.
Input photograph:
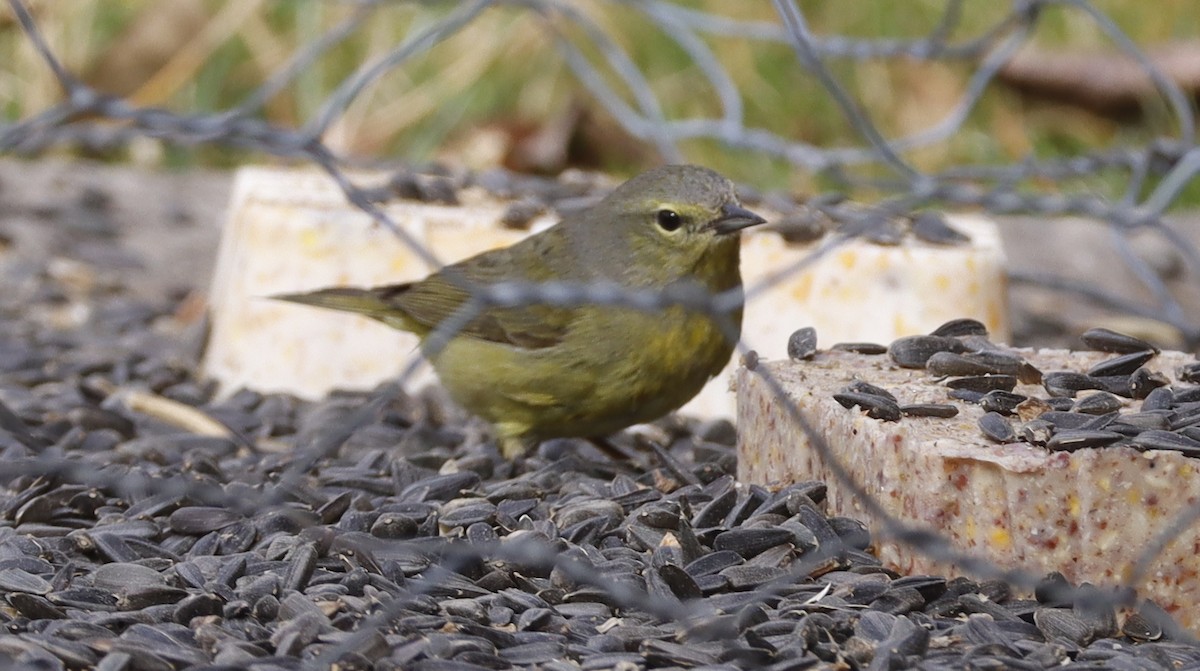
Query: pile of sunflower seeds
[
  {"x": 1080, "y": 409},
  {"x": 145, "y": 524}
]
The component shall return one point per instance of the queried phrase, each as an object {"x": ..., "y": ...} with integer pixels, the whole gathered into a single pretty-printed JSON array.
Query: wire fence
[{"x": 561, "y": 566}]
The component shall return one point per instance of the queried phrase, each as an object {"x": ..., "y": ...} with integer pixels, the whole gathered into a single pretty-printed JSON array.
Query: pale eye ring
[{"x": 669, "y": 220}]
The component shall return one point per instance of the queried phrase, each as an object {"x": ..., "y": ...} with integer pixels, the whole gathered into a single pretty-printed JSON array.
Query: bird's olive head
[{"x": 678, "y": 219}]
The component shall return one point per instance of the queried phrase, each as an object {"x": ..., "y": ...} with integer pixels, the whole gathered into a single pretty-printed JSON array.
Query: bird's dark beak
[{"x": 734, "y": 218}]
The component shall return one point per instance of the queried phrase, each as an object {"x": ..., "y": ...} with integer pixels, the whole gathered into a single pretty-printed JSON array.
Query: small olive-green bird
[{"x": 537, "y": 371}]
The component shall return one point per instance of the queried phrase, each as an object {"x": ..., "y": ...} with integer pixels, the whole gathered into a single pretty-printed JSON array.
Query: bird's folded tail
[{"x": 369, "y": 302}]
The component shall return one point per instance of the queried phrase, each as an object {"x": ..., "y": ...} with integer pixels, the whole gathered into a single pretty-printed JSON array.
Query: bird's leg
[
  {"x": 606, "y": 446},
  {"x": 512, "y": 447},
  {"x": 617, "y": 453},
  {"x": 672, "y": 465},
  {"x": 476, "y": 434}
]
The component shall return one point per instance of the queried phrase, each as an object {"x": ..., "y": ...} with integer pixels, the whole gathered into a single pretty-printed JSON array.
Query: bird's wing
[{"x": 442, "y": 295}]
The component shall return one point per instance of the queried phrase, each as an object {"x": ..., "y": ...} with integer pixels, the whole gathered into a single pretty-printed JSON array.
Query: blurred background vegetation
[{"x": 498, "y": 92}]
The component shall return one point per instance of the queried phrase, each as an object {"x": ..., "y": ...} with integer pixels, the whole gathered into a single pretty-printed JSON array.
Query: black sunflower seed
[
  {"x": 868, "y": 348},
  {"x": 1099, "y": 403},
  {"x": 1107, "y": 340},
  {"x": 1001, "y": 401},
  {"x": 34, "y": 606},
  {"x": 984, "y": 362},
  {"x": 1185, "y": 416},
  {"x": 1059, "y": 403},
  {"x": 1071, "y": 440},
  {"x": 1145, "y": 624},
  {"x": 1157, "y": 439},
  {"x": 802, "y": 344},
  {"x": 1068, "y": 383},
  {"x": 520, "y": 213},
  {"x": 983, "y": 383},
  {"x": 1148, "y": 419},
  {"x": 932, "y": 227},
  {"x": 800, "y": 228},
  {"x": 968, "y": 395},
  {"x": 1158, "y": 399},
  {"x": 746, "y": 577},
  {"x": 749, "y": 542},
  {"x": 17, "y": 580},
  {"x": 957, "y": 328},
  {"x": 882, "y": 229},
  {"x": 1066, "y": 421},
  {"x": 1101, "y": 422},
  {"x": 876, "y": 407},
  {"x": 996, "y": 428},
  {"x": 1061, "y": 624},
  {"x": 943, "y": 410},
  {"x": 200, "y": 520},
  {"x": 1189, "y": 373},
  {"x": 1192, "y": 432},
  {"x": 1143, "y": 382},
  {"x": 1121, "y": 365},
  {"x": 713, "y": 562},
  {"x": 864, "y": 387},
  {"x": 914, "y": 351},
  {"x": 680, "y": 582}
]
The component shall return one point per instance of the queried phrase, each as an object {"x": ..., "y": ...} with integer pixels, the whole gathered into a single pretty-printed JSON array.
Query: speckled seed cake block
[{"x": 1053, "y": 461}]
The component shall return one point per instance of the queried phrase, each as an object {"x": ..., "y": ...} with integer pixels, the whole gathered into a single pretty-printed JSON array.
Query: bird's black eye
[{"x": 669, "y": 220}]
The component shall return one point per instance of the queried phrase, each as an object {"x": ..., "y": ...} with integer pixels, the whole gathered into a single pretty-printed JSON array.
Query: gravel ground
[{"x": 144, "y": 525}]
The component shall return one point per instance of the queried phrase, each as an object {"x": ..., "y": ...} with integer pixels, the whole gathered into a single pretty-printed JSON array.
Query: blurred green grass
[{"x": 470, "y": 98}]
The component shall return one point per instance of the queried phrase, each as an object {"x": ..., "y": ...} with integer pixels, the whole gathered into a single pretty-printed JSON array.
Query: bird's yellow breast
[{"x": 616, "y": 367}]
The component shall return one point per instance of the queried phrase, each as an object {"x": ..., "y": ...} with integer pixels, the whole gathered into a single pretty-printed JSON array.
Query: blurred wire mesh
[{"x": 1126, "y": 190}]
